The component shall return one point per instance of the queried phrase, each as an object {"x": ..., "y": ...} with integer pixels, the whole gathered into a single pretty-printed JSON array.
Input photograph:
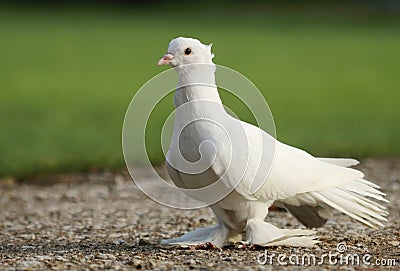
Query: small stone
[
  {"x": 106, "y": 257},
  {"x": 143, "y": 242},
  {"x": 190, "y": 262},
  {"x": 136, "y": 263},
  {"x": 119, "y": 242},
  {"x": 394, "y": 243}
]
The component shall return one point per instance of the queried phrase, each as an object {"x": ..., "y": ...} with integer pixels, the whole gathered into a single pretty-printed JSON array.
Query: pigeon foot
[{"x": 211, "y": 237}]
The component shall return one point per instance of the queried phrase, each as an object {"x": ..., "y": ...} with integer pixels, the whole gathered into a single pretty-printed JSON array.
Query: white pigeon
[{"x": 218, "y": 148}]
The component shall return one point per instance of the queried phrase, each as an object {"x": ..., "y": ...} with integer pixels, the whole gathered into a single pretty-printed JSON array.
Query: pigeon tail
[{"x": 354, "y": 199}]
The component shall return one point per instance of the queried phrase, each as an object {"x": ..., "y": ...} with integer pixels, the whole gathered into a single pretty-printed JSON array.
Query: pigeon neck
[{"x": 196, "y": 82}]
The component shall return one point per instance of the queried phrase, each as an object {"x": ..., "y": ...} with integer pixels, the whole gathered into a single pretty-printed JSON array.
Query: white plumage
[{"x": 258, "y": 169}]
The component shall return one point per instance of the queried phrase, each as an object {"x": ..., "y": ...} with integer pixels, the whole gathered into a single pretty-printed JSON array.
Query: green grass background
[{"x": 66, "y": 80}]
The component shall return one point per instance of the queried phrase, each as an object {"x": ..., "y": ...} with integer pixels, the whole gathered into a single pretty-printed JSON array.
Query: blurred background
[{"x": 68, "y": 70}]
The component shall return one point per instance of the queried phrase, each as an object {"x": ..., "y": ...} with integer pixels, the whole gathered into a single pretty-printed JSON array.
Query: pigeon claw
[
  {"x": 244, "y": 246},
  {"x": 205, "y": 246}
]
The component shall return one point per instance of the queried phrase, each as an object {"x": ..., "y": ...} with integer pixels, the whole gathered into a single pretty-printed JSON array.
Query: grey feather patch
[{"x": 307, "y": 215}]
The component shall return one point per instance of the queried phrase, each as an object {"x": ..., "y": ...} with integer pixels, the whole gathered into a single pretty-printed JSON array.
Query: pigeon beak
[{"x": 165, "y": 60}]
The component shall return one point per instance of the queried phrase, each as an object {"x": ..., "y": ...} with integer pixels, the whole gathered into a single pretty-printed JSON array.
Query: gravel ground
[{"x": 99, "y": 221}]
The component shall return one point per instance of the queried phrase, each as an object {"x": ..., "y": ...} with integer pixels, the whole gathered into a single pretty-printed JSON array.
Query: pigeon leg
[{"x": 261, "y": 233}]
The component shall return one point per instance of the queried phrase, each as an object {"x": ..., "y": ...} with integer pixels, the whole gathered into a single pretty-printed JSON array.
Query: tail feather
[
  {"x": 359, "y": 209},
  {"x": 368, "y": 202},
  {"x": 353, "y": 199},
  {"x": 342, "y": 162},
  {"x": 364, "y": 189},
  {"x": 370, "y": 184},
  {"x": 341, "y": 208}
]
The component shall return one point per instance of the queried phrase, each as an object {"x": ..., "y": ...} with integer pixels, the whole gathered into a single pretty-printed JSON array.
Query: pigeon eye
[{"x": 188, "y": 51}]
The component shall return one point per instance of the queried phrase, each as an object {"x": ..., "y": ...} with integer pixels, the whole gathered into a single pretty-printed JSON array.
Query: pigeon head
[{"x": 184, "y": 51}]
